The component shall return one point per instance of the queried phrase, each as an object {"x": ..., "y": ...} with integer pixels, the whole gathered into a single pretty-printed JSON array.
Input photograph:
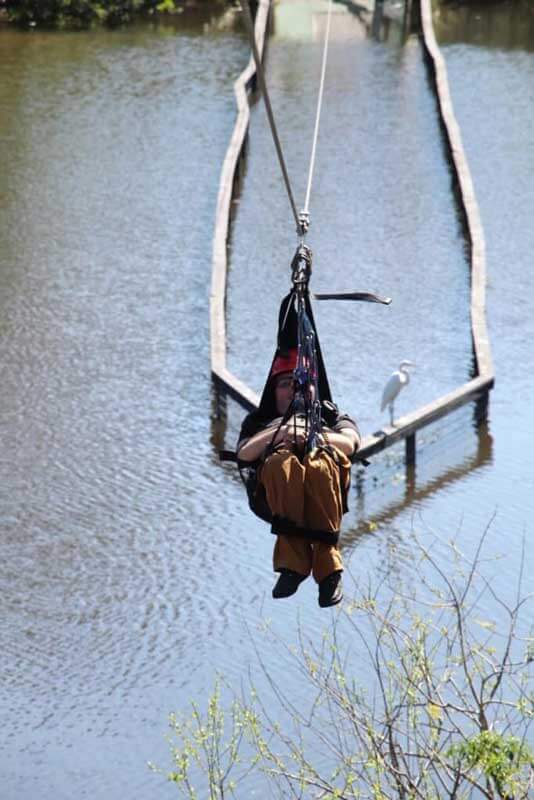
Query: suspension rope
[
  {"x": 270, "y": 116},
  {"x": 302, "y": 219},
  {"x": 306, "y": 209}
]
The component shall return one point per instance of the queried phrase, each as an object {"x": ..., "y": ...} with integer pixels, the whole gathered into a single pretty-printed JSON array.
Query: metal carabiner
[
  {"x": 304, "y": 225},
  {"x": 301, "y": 266}
]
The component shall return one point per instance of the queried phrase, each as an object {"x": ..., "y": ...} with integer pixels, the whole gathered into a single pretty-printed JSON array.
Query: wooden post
[
  {"x": 219, "y": 407},
  {"x": 219, "y": 402},
  {"x": 410, "y": 450},
  {"x": 481, "y": 408},
  {"x": 415, "y": 16},
  {"x": 410, "y": 482},
  {"x": 485, "y": 443},
  {"x": 378, "y": 15},
  {"x": 406, "y": 19}
]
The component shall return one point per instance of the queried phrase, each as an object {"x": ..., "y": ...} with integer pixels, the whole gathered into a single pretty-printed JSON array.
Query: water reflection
[
  {"x": 385, "y": 21},
  {"x": 415, "y": 490},
  {"x": 302, "y": 20},
  {"x": 507, "y": 26}
]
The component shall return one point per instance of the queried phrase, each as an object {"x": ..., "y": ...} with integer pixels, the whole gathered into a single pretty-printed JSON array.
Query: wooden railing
[{"x": 243, "y": 86}]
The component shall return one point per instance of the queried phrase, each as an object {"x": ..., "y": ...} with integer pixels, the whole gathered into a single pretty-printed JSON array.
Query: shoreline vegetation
[
  {"x": 412, "y": 693},
  {"x": 84, "y": 14}
]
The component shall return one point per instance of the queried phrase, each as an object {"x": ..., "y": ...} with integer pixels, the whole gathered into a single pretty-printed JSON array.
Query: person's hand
[
  {"x": 294, "y": 433},
  {"x": 294, "y": 438}
]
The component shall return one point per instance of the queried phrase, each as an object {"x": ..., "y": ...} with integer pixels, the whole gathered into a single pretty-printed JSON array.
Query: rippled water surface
[
  {"x": 130, "y": 568},
  {"x": 108, "y": 490}
]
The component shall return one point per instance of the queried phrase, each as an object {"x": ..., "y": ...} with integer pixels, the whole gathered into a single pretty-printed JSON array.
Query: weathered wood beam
[
  {"x": 242, "y": 86},
  {"x": 421, "y": 417},
  {"x": 475, "y": 233},
  {"x": 236, "y": 389}
]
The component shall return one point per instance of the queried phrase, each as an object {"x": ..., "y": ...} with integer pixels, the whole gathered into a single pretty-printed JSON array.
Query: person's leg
[
  {"x": 292, "y": 553},
  {"x": 325, "y": 479},
  {"x": 323, "y": 499},
  {"x": 326, "y": 560},
  {"x": 283, "y": 475}
]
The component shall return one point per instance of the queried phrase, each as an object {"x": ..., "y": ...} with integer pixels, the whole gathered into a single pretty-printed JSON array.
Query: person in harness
[
  {"x": 295, "y": 450},
  {"x": 294, "y": 454}
]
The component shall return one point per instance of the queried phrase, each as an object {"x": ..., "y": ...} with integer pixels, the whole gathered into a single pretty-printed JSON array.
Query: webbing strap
[
  {"x": 285, "y": 527},
  {"x": 228, "y": 455}
]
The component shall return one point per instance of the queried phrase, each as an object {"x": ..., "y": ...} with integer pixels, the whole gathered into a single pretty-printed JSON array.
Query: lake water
[{"x": 131, "y": 571}]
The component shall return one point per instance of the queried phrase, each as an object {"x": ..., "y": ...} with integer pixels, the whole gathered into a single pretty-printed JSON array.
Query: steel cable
[
  {"x": 259, "y": 70},
  {"x": 306, "y": 209},
  {"x": 302, "y": 219}
]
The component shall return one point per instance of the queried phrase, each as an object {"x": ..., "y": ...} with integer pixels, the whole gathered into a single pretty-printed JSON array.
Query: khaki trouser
[{"x": 308, "y": 493}]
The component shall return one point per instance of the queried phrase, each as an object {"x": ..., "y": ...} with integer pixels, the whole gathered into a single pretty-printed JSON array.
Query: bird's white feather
[{"x": 395, "y": 383}]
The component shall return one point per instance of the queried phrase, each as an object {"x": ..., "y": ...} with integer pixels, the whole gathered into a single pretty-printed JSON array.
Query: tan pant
[{"x": 308, "y": 493}]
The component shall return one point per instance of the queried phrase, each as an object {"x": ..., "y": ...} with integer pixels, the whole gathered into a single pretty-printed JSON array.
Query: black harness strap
[
  {"x": 228, "y": 455},
  {"x": 285, "y": 527},
  {"x": 231, "y": 455}
]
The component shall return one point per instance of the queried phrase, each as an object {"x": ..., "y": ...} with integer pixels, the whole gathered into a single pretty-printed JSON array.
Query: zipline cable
[
  {"x": 302, "y": 219},
  {"x": 306, "y": 209},
  {"x": 259, "y": 70}
]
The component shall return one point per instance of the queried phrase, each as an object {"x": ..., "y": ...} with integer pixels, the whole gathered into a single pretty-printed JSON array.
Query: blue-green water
[{"x": 130, "y": 568}]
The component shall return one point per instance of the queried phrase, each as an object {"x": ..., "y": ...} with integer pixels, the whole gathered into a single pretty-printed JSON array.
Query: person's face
[{"x": 284, "y": 389}]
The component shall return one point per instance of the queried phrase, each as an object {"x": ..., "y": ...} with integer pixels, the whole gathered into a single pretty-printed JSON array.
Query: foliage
[
  {"x": 447, "y": 714},
  {"x": 209, "y": 746},
  {"x": 82, "y": 13},
  {"x": 501, "y": 759}
]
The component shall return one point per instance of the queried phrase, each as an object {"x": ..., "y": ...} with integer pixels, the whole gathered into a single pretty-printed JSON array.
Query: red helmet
[{"x": 284, "y": 363}]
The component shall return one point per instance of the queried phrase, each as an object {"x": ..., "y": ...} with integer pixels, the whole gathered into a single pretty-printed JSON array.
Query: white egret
[{"x": 400, "y": 378}]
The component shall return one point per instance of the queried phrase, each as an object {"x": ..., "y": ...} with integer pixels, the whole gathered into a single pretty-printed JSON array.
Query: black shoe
[
  {"x": 331, "y": 590},
  {"x": 287, "y": 584}
]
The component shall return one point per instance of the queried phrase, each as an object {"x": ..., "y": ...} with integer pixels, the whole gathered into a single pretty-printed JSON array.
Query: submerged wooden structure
[{"x": 477, "y": 389}]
